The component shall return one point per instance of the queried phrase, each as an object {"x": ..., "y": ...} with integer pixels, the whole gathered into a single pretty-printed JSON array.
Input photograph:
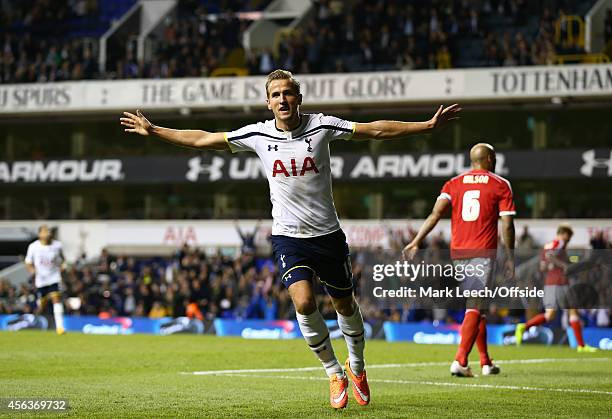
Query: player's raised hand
[
  {"x": 410, "y": 250},
  {"x": 445, "y": 115},
  {"x": 137, "y": 124}
]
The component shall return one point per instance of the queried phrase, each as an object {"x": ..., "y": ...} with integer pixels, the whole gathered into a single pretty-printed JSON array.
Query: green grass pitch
[{"x": 141, "y": 376}]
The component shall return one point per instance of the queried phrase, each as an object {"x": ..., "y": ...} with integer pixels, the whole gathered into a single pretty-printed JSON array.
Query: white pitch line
[
  {"x": 439, "y": 384},
  {"x": 405, "y": 365},
  {"x": 221, "y": 372}
]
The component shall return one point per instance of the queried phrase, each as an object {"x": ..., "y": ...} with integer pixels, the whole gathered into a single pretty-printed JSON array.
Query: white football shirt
[
  {"x": 47, "y": 260},
  {"x": 297, "y": 166}
]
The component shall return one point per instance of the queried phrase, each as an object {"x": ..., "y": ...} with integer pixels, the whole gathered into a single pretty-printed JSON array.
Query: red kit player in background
[
  {"x": 477, "y": 198},
  {"x": 553, "y": 264}
]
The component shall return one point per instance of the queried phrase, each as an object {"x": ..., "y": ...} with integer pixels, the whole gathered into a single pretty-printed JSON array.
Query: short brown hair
[
  {"x": 282, "y": 75},
  {"x": 565, "y": 228}
]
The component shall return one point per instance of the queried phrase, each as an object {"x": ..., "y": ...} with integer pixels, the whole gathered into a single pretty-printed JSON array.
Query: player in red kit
[
  {"x": 554, "y": 263},
  {"x": 477, "y": 198}
]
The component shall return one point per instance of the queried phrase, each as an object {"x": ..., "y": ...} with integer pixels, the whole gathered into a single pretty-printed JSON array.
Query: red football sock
[
  {"x": 577, "y": 327},
  {"x": 469, "y": 331},
  {"x": 481, "y": 341},
  {"x": 536, "y": 321}
]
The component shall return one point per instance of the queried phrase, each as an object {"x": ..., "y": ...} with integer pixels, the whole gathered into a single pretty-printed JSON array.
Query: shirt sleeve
[
  {"x": 506, "y": 201},
  {"x": 339, "y": 129},
  {"x": 242, "y": 139},
  {"x": 553, "y": 248},
  {"x": 445, "y": 193},
  {"x": 30, "y": 255}
]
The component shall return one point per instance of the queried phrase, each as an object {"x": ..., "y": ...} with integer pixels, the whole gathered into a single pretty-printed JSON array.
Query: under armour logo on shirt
[
  {"x": 282, "y": 258},
  {"x": 273, "y": 147},
  {"x": 308, "y": 141},
  {"x": 288, "y": 277},
  {"x": 591, "y": 162}
]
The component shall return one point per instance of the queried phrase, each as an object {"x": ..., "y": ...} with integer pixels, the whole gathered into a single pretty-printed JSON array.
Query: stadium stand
[
  {"x": 54, "y": 40},
  {"x": 363, "y": 35},
  {"x": 195, "y": 283}
]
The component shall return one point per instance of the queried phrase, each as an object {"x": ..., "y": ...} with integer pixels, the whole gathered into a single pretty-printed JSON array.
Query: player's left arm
[
  {"x": 390, "y": 130},
  {"x": 507, "y": 211},
  {"x": 62, "y": 260},
  {"x": 508, "y": 237}
]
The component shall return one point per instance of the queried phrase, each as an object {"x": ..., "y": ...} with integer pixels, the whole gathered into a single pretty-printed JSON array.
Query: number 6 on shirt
[
  {"x": 478, "y": 198},
  {"x": 471, "y": 206}
]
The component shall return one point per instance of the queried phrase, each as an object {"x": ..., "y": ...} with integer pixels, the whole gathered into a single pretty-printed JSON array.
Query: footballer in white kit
[
  {"x": 44, "y": 259},
  {"x": 307, "y": 240},
  {"x": 306, "y": 237},
  {"x": 297, "y": 165}
]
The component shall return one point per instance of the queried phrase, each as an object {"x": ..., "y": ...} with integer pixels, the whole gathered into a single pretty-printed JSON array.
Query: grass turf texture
[{"x": 139, "y": 375}]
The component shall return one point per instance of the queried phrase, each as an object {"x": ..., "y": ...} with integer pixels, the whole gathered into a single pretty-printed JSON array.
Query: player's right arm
[
  {"x": 29, "y": 260},
  {"x": 441, "y": 206},
  {"x": 139, "y": 124},
  {"x": 239, "y": 230},
  {"x": 30, "y": 267}
]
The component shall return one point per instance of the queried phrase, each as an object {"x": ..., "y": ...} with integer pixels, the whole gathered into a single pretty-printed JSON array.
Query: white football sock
[
  {"x": 58, "y": 315},
  {"x": 354, "y": 335},
  {"x": 316, "y": 333}
]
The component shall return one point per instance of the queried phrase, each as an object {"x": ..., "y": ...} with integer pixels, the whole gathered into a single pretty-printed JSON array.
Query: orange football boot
[
  {"x": 338, "y": 396},
  {"x": 361, "y": 389}
]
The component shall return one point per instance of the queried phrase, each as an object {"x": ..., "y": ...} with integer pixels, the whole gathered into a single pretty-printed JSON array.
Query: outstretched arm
[
  {"x": 389, "y": 130},
  {"x": 441, "y": 206},
  {"x": 139, "y": 124},
  {"x": 238, "y": 230}
]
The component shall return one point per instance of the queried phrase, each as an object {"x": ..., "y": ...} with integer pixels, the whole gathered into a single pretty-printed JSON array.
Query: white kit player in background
[
  {"x": 306, "y": 236},
  {"x": 45, "y": 260}
]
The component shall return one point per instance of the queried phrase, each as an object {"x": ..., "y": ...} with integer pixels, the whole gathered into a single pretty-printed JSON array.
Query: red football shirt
[
  {"x": 554, "y": 275},
  {"x": 478, "y": 198}
]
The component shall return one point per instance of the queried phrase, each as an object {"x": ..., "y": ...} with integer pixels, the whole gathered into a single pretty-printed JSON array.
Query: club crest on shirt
[{"x": 308, "y": 141}]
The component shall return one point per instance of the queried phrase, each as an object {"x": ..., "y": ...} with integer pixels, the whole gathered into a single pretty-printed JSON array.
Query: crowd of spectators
[
  {"x": 608, "y": 32},
  {"x": 359, "y": 35},
  {"x": 191, "y": 282},
  {"x": 538, "y": 47},
  {"x": 203, "y": 285},
  {"x": 53, "y": 40},
  {"x": 369, "y": 35},
  {"x": 376, "y": 35},
  {"x": 193, "y": 43}
]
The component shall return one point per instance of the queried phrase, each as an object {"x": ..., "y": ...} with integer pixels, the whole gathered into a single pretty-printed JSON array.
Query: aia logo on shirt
[
  {"x": 280, "y": 168},
  {"x": 46, "y": 262}
]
